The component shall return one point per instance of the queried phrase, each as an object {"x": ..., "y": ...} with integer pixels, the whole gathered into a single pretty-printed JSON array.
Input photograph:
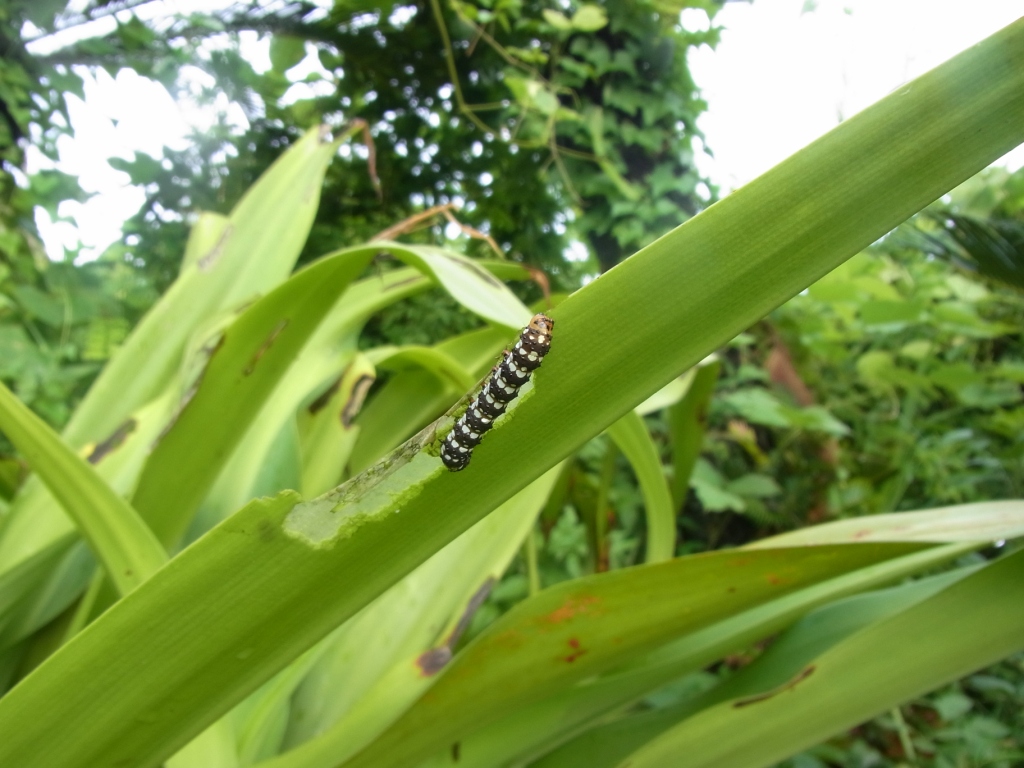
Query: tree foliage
[{"x": 538, "y": 128}]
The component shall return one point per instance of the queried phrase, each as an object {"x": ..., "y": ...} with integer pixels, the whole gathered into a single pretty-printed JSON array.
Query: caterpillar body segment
[{"x": 501, "y": 388}]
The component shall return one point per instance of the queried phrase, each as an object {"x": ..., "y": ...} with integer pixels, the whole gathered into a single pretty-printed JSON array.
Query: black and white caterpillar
[{"x": 501, "y": 388}]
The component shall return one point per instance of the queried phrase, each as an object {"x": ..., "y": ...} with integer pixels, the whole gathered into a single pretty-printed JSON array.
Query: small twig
[
  {"x": 540, "y": 278},
  {"x": 411, "y": 223},
  {"x": 474, "y": 233},
  {"x": 481, "y": 33},
  {"x": 449, "y": 57},
  {"x": 371, "y": 160},
  {"x": 476, "y": 39},
  {"x": 564, "y": 173},
  {"x": 577, "y": 153},
  {"x": 488, "y": 106}
]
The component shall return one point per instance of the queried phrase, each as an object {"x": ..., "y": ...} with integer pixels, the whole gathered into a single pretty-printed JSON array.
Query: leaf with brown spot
[
  {"x": 114, "y": 441},
  {"x": 575, "y": 630}
]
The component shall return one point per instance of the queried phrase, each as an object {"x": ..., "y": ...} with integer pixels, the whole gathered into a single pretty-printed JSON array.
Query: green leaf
[
  {"x": 266, "y": 232},
  {"x": 859, "y": 677},
  {"x": 631, "y": 436},
  {"x": 982, "y": 521},
  {"x": 759, "y": 406},
  {"x": 527, "y": 733},
  {"x": 257, "y": 251},
  {"x": 469, "y": 282},
  {"x": 754, "y": 485},
  {"x": 329, "y": 431},
  {"x": 604, "y": 747},
  {"x": 668, "y": 395},
  {"x": 207, "y": 231},
  {"x": 286, "y": 51},
  {"x": 890, "y": 316},
  {"x": 556, "y": 19},
  {"x": 32, "y": 573},
  {"x": 41, "y": 305},
  {"x": 581, "y": 628},
  {"x": 878, "y": 369},
  {"x": 213, "y": 748},
  {"x": 963, "y": 318},
  {"x": 533, "y": 94},
  {"x": 118, "y": 460},
  {"x": 126, "y": 547},
  {"x": 436, "y": 361},
  {"x": 322, "y": 361},
  {"x": 952, "y": 705},
  {"x": 244, "y": 367},
  {"x": 255, "y": 352},
  {"x": 710, "y": 487},
  {"x": 589, "y": 18}
]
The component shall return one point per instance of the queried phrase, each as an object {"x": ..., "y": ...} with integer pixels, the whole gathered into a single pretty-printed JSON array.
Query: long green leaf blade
[
  {"x": 527, "y": 733},
  {"x": 606, "y": 746},
  {"x": 980, "y": 521},
  {"x": 974, "y": 622},
  {"x": 688, "y": 423},
  {"x": 252, "y": 253},
  {"x": 581, "y": 628}
]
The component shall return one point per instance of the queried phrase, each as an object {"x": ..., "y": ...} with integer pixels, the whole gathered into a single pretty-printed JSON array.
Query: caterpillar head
[{"x": 542, "y": 324}]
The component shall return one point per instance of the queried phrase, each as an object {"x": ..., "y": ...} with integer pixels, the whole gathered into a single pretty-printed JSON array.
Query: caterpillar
[{"x": 501, "y": 388}]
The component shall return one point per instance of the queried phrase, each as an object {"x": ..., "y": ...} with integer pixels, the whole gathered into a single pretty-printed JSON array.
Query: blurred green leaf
[
  {"x": 286, "y": 51},
  {"x": 556, "y": 19},
  {"x": 255, "y": 252},
  {"x": 983, "y": 521},
  {"x": 589, "y": 18},
  {"x": 126, "y": 547}
]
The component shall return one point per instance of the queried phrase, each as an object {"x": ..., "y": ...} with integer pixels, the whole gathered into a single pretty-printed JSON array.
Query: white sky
[{"x": 781, "y": 76}]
